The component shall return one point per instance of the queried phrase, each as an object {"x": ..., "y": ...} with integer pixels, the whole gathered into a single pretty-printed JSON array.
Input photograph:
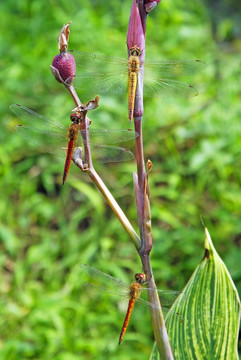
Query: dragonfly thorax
[
  {"x": 133, "y": 64},
  {"x": 135, "y": 290},
  {"x": 73, "y": 131}
]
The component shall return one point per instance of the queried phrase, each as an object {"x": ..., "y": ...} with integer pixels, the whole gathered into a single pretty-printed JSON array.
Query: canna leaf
[{"x": 210, "y": 309}]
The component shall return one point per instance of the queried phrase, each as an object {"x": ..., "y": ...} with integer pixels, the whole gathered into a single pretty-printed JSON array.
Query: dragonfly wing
[
  {"x": 108, "y": 153},
  {"x": 100, "y": 73},
  {"x": 104, "y": 136},
  {"x": 44, "y": 141},
  {"x": 97, "y": 61},
  {"x": 145, "y": 303},
  {"x": 167, "y": 87},
  {"x": 32, "y": 119},
  {"x": 173, "y": 68},
  {"x": 103, "y": 83},
  {"x": 122, "y": 293},
  {"x": 167, "y": 297},
  {"x": 104, "y": 280}
]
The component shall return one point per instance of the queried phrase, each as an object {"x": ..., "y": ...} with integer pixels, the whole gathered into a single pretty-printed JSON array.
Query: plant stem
[
  {"x": 157, "y": 318},
  {"x": 142, "y": 193},
  {"x": 109, "y": 198}
]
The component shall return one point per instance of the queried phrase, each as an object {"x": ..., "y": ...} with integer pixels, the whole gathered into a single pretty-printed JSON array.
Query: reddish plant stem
[
  {"x": 74, "y": 95},
  {"x": 107, "y": 195},
  {"x": 139, "y": 152},
  {"x": 143, "y": 209}
]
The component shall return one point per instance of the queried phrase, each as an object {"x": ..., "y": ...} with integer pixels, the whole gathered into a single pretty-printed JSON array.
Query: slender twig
[
  {"x": 74, "y": 95},
  {"x": 108, "y": 196}
]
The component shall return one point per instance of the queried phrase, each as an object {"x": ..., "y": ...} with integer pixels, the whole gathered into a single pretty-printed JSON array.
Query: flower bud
[
  {"x": 135, "y": 33},
  {"x": 65, "y": 64},
  {"x": 151, "y": 4}
]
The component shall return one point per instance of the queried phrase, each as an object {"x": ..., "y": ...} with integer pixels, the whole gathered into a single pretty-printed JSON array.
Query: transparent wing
[
  {"x": 108, "y": 153},
  {"x": 173, "y": 68},
  {"x": 167, "y": 297},
  {"x": 103, "y": 279},
  {"x": 43, "y": 140},
  {"x": 97, "y": 62},
  {"x": 160, "y": 77},
  {"x": 167, "y": 88},
  {"x": 102, "y": 83},
  {"x": 105, "y": 136},
  {"x": 32, "y": 119},
  {"x": 44, "y": 133},
  {"x": 100, "y": 74}
]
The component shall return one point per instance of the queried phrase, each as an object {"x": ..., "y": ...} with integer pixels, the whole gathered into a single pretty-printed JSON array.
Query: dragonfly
[
  {"x": 52, "y": 136},
  {"x": 105, "y": 74},
  {"x": 108, "y": 284}
]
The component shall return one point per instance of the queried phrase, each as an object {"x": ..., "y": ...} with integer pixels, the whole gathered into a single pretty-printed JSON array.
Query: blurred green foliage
[{"x": 47, "y": 231}]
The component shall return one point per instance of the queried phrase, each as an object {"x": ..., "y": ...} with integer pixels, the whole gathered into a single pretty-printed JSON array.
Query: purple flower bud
[
  {"x": 65, "y": 64},
  {"x": 135, "y": 33},
  {"x": 151, "y": 4}
]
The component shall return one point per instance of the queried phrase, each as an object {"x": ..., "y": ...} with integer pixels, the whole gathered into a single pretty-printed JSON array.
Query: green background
[{"x": 47, "y": 230}]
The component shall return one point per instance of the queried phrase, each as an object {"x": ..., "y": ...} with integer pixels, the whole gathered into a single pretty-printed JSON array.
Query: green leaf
[
  {"x": 154, "y": 353},
  {"x": 209, "y": 313}
]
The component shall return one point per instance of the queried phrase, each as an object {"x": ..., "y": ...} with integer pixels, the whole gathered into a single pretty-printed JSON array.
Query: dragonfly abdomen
[
  {"x": 133, "y": 69},
  {"x": 73, "y": 133},
  {"x": 135, "y": 290},
  {"x": 127, "y": 319},
  {"x": 131, "y": 94}
]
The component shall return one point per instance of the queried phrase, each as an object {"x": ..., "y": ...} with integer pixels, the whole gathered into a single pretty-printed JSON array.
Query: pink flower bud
[
  {"x": 135, "y": 33},
  {"x": 65, "y": 64},
  {"x": 151, "y": 4}
]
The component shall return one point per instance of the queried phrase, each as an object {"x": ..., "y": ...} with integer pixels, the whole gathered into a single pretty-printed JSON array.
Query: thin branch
[{"x": 108, "y": 196}]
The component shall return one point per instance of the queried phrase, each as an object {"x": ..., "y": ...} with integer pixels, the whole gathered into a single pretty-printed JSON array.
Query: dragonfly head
[
  {"x": 76, "y": 118},
  {"x": 135, "y": 51},
  {"x": 140, "y": 278}
]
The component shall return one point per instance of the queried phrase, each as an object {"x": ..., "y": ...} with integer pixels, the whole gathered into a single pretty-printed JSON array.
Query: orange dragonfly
[
  {"x": 113, "y": 286},
  {"x": 106, "y": 74},
  {"x": 51, "y": 136}
]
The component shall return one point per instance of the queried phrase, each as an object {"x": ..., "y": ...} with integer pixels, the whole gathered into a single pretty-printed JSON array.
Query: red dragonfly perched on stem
[
  {"x": 51, "y": 136},
  {"x": 132, "y": 293}
]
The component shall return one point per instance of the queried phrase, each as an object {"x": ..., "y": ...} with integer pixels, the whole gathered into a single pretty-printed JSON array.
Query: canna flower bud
[
  {"x": 151, "y": 4},
  {"x": 63, "y": 66},
  {"x": 135, "y": 33}
]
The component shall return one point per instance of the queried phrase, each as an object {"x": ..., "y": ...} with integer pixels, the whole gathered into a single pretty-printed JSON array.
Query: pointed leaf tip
[{"x": 210, "y": 309}]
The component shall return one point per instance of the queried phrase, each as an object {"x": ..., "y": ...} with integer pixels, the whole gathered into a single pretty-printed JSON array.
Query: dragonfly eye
[{"x": 140, "y": 278}]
